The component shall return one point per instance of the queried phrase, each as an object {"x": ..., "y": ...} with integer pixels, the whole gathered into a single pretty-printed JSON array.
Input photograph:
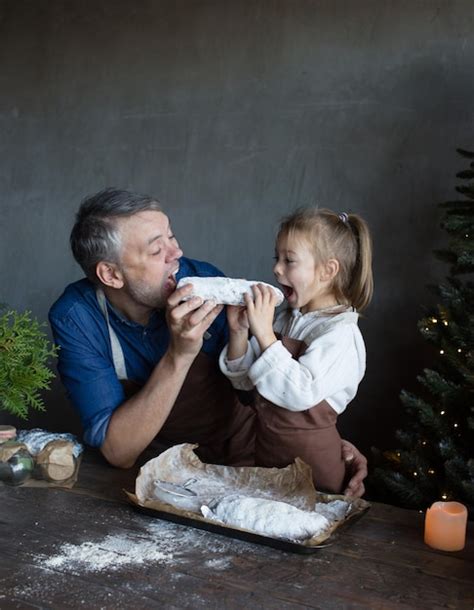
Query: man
[{"x": 136, "y": 359}]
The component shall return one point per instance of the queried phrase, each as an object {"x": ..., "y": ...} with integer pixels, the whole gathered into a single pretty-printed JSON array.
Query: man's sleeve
[{"x": 86, "y": 369}]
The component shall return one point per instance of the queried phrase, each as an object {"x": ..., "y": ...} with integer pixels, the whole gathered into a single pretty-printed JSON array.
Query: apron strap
[{"x": 117, "y": 352}]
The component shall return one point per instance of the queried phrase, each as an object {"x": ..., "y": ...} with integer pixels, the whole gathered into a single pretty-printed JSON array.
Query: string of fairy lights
[
  {"x": 431, "y": 471},
  {"x": 435, "y": 328},
  {"x": 442, "y": 352}
]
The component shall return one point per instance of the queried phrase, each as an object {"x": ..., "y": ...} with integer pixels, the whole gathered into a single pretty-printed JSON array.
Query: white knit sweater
[{"x": 330, "y": 369}]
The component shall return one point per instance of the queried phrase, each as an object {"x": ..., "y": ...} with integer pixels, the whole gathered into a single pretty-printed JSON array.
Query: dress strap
[{"x": 348, "y": 317}]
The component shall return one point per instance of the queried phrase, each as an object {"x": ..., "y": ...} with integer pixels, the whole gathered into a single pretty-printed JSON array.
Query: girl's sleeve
[
  {"x": 237, "y": 370},
  {"x": 332, "y": 366}
]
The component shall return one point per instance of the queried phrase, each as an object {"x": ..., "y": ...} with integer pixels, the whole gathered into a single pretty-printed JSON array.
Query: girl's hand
[
  {"x": 260, "y": 313},
  {"x": 237, "y": 318}
]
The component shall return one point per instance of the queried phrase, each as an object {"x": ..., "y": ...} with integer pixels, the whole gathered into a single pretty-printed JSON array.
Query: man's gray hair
[{"x": 95, "y": 236}]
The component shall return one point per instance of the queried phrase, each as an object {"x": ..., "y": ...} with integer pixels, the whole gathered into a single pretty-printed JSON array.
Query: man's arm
[
  {"x": 356, "y": 467},
  {"x": 135, "y": 423}
]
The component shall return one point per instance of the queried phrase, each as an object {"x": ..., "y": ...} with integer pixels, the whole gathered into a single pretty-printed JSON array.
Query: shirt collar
[{"x": 157, "y": 318}]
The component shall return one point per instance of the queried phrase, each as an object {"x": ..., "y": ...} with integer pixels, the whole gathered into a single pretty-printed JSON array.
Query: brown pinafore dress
[
  {"x": 311, "y": 435},
  {"x": 207, "y": 410}
]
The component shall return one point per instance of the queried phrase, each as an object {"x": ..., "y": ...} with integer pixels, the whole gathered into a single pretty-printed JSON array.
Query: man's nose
[{"x": 173, "y": 252}]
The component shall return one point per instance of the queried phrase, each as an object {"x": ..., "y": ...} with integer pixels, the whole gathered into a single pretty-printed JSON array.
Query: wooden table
[{"x": 378, "y": 562}]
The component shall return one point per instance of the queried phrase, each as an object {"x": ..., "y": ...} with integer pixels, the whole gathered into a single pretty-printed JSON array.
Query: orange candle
[{"x": 445, "y": 526}]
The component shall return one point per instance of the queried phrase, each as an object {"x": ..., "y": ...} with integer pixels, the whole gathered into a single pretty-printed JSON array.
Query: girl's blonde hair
[{"x": 346, "y": 238}]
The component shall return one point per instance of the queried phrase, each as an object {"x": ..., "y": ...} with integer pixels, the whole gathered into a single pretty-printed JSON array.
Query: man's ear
[
  {"x": 109, "y": 275},
  {"x": 329, "y": 270}
]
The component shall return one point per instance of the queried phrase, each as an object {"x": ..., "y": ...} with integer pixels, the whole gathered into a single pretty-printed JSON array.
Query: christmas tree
[{"x": 435, "y": 458}]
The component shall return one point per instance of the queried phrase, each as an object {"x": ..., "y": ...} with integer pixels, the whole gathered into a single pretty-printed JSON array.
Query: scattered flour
[
  {"x": 160, "y": 543},
  {"x": 218, "y": 564},
  {"x": 110, "y": 553}
]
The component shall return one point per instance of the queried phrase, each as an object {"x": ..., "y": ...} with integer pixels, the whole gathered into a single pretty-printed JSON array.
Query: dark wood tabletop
[{"x": 87, "y": 547}]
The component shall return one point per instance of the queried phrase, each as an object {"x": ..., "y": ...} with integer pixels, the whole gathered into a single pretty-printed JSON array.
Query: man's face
[{"x": 149, "y": 259}]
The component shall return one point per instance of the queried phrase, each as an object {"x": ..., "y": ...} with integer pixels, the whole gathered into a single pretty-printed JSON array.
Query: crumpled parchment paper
[{"x": 179, "y": 465}]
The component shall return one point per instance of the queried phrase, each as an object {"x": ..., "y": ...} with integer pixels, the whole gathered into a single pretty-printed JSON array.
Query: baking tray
[
  {"x": 294, "y": 483},
  {"x": 183, "y": 518}
]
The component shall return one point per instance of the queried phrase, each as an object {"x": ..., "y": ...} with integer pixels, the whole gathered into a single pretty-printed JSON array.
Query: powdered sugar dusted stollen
[
  {"x": 267, "y": 517},
  {"x": 224, "y": 290}
]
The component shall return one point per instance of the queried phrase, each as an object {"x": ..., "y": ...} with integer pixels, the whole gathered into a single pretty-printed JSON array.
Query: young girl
[{"x": 307, "y": 365}]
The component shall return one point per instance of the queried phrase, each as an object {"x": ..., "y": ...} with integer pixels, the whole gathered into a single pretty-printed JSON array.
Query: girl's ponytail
[{"x": 361, "y": 286}]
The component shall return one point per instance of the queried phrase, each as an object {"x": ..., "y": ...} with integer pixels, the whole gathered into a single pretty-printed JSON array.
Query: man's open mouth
[{"x": 171, "y": 279}]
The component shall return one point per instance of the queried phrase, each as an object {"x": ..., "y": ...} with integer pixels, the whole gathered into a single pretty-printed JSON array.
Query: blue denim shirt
[{"x": 85, "y": 361}]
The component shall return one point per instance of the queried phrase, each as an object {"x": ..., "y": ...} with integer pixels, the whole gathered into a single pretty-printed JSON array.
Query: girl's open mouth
[{"x": 287, "y": 291}]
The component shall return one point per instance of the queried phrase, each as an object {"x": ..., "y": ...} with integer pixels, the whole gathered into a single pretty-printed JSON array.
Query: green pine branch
[{"x": 24, "y": 355}]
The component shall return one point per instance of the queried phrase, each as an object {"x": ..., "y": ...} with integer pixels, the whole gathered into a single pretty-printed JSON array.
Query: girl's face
[{"x": 301, "y": 279}]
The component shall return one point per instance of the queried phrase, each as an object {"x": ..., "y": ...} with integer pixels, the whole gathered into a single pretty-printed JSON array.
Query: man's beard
[{"x": 144, "y": 294}]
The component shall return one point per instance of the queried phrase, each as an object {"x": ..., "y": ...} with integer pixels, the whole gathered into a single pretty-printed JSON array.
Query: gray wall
[{"x": 233, "y": 113}]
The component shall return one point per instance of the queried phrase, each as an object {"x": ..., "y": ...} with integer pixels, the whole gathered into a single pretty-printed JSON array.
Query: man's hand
[
  {"x": 356, "y": 467},
  {"x": 188, "y": 321},
  {"x": 260, "y": 313}
]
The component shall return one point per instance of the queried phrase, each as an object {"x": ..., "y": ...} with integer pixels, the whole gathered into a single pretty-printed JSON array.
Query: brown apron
[
  {"x": 311, "y": 435},
  {"x": 208, "y": 412}
]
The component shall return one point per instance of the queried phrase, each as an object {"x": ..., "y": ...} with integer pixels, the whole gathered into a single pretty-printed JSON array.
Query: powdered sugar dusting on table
[
  {"x": 110, "y": 553},
  {"x": 160, "y": 543}
]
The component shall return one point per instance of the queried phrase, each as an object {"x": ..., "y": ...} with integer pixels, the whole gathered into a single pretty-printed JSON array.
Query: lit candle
[{"x": 445, "y": 526}]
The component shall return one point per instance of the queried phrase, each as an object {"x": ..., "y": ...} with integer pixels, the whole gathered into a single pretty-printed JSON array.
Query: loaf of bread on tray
[{"x": 224, "y": 290}]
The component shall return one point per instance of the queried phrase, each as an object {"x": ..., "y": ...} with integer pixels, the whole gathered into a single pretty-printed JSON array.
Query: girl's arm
[
  {"x": 238, "y": 331},
  {"x": 331, "y": 367},
  {"x": 256, "y": 316},
  {"x": 237, "y": 357}
]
